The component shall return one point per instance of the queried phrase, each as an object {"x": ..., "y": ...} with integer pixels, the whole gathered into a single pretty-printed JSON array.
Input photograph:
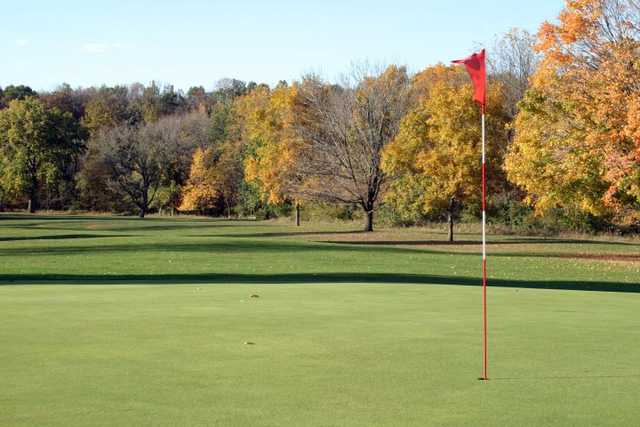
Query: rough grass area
[{"x": 118, "y": 321}]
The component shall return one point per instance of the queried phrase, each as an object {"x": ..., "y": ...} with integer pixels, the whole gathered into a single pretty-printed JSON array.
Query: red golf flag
[{"x": 476, "y": 68}]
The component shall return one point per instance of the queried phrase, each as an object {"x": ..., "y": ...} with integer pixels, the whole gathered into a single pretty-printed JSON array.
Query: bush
[{"x": 512, "y": 216}]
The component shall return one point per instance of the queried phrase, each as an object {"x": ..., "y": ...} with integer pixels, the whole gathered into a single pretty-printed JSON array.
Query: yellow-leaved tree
[
  {"x": 435, "y": 159},
  {"x": 216, "y": 169},
  {"x": 271, "y": 143},
  {"x": 214, "y": 178},
  {"x": 200, "y": 191}
]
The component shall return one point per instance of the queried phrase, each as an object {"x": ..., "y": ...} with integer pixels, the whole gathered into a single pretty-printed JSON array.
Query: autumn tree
[
  {"x": 157, "y": 101},
  {"x": 34, "y": 143},
  {"x": 92, "y": 181},
  {"x": 192, "y": 133},
  {"x": 577, "y": 140},
  {"x": 344, "y": 130},
  {"x": 141, "y": 159},
  {"x": 214, "y": 179},
  {"x": 67, "y": 99},
  {"x": 272, "y": 143},
  {"x": 436, "y": 156},
  {"x": 228, "y": 89},
  {"x": 197, "y": 99},
  {"x": 110, "y": 107},
  {"x": 217, "y": 169},
  {"x": 200, "y": 192}
]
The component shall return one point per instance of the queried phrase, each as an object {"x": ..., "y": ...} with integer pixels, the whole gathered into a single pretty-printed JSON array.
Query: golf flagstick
[
  {"x": 485, "y": 350},
  {"x": 475, "y": 65}
]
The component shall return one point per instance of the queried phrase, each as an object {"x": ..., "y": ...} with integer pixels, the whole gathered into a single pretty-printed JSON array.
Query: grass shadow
[
  {"x": 311, "y": 278},
  {"x": 61, "y": 237},
  {"x": 287, "y": 234},
  {"x": 244, "y": 246},
  {"x": 518, "y": 241},
  {"x": 266, "y": 246},
  {"x": 173, "y": 226}
]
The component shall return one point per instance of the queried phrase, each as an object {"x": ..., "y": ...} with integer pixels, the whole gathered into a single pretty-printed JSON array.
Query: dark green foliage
[
  {"x": 222, "y": 120},
  {"x": 250, "y": 202},
  {"x": 18, "y": 92}
]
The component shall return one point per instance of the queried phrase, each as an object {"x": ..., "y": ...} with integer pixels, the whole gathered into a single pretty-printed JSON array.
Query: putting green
[{"x": 322, "y": 354}]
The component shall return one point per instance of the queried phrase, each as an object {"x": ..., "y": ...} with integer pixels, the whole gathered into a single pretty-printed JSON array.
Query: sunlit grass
[{"x": 151, "y": 322}]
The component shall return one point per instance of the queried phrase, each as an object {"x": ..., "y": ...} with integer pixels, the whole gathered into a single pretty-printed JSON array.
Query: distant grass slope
[
  {"x": 313, "y": 348},
  {"x": 113, "y": 249}
]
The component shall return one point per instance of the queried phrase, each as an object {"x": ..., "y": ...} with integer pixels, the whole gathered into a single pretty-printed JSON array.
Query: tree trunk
[
  {"x": 145, "y": 201},
  {"x": 297, "y": 215},
  {"x": 34, "y": 201},
  {"x": 32, "y": 206},
  {"x": 450, "y": 214},
  {"x": 368, "y": 226}
]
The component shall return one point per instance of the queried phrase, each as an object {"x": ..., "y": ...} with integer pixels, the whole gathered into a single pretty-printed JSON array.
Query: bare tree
[
  {"x": 512, "y": 60},
  {"x": 344, "y": 129},
  {"x": 140, "y": 159}
]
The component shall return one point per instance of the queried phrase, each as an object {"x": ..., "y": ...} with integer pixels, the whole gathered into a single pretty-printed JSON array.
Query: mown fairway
[{"x": 119, "y": 321}]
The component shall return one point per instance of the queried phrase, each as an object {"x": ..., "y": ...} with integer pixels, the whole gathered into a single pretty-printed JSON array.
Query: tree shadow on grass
[
  {"x": 61, "y": 237},
  {"x": 309, "y": 278},
  {"x": 237, "y": 246},
  {"x": 214, "y": 246},
  {"x": 124, "y": 227},
  {"x": 175, "y": 226},
  {"x": 510, "y": 241},
  {"x": 417, "y": 245},
  {"x": 36, "y": 217},
  {"x": 122, "y": 223},
  {"x": 287, "y": 234}
]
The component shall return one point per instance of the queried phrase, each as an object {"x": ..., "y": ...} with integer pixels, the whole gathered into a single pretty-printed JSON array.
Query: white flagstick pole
[
  {"x": 475, "y": 65},
  {"x": 485, "y": 374}
]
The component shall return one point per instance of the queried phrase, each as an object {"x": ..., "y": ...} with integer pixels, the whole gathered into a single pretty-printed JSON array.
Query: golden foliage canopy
[
  {"x": 577, "y": 139},
  {"x": 273, "y": 146},
  {"x": 436, "y": 155}
]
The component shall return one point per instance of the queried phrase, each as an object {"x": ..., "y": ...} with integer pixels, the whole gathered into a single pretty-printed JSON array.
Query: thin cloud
[{"x": 22, "y": 42}]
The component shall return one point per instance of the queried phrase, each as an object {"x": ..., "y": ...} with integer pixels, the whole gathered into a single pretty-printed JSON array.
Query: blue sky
[{"x": 189, "y": 42}]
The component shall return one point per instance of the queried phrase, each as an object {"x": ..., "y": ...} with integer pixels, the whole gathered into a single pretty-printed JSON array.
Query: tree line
[{"x": 563, "y": 132}]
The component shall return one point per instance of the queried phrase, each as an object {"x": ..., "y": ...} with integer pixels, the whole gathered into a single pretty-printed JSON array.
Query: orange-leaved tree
[
  {"x": 577, "y": 142},
  {"x": 216, "y": 169}
]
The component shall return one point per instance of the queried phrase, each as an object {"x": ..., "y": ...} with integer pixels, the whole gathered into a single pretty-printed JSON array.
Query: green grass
[{"x": 118, "y": 321}]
